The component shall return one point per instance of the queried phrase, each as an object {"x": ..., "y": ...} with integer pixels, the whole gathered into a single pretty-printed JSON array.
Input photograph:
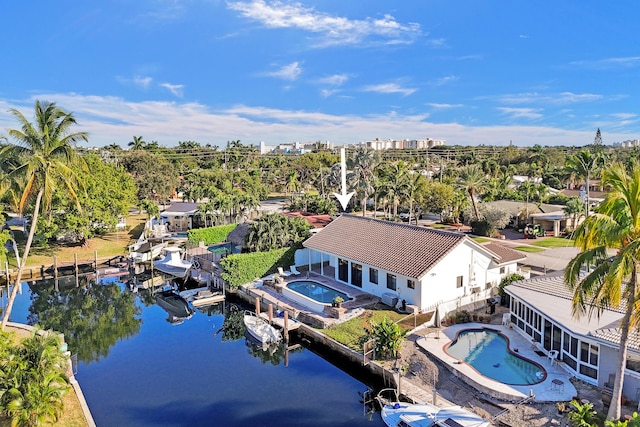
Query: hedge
[
  {"x": 210, "y": 235},
  {"x": 244, "y": 268}
]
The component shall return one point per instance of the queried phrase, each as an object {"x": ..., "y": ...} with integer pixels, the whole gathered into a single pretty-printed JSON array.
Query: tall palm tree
[
  {"x": 362, "y": 177},
  {"x": 472, "y": 180},
  {"x": 614, "y": 281},
  {"x": 46, "y": 156},
  {"x": 584, "y": 164}
]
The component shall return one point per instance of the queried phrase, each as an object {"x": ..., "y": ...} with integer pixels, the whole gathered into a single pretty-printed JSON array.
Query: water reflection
[{"x": 92, "y": 317}]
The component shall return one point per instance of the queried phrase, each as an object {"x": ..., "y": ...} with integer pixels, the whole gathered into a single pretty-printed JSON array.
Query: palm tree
[
  {"x": 614, "y": 281},
  {"x": 584, "y": 164},
  {"x": 472, "y": 180},
  {"x": 46, "y": 157},
  {"x": 138, "y": 143},
  {"x": 362, "y": 177}
]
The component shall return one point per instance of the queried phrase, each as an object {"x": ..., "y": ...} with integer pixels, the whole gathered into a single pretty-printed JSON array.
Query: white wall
[{"x": 438, "y": 286}]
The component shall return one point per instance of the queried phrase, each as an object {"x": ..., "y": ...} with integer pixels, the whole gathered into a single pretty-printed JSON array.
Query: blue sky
[{"x": 468, "y": 72}]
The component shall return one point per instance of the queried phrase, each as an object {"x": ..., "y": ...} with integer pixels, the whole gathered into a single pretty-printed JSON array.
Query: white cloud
[
  {"x": 174, "y": 89},
  {"x": 334, "y": 30},
  {"x": 445, "y": 80},
  {"x": 334, "y": 80},
  {"x": 557, "y": 99},
  {"x": 607, "y": 63},
  {"x": 114, "y": 120},
  {"x": 288, "y": 72},
  {"x": 326, "y": 93},
  {"x": 444, "y": 106},
  {"x": 389, "y": 88},
  {"x": 521, "y": 113}
]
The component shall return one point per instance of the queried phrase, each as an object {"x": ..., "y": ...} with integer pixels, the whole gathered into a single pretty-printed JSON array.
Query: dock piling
[
  {"x": 271, "y": 314},
  {"x": 258, "y": 306},
  {"x": 286, "y": 327}
]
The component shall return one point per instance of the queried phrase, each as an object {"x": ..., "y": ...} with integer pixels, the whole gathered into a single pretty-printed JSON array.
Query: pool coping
[
  {"x": 515, "y": 352},
  {"x": 544, "y": 391}
]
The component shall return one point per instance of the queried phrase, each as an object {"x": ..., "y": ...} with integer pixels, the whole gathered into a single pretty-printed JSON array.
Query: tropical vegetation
[
  {"x": 33, "y": 379},
  {"x": 600, "y": 280}
]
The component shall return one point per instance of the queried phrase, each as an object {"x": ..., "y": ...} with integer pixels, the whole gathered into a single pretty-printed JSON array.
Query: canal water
[{"x": 139, "y": 367}]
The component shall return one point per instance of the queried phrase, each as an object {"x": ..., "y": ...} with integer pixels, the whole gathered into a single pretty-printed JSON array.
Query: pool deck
[
  {"x": 352, "y": 307},
  {"x": 554, "y": 388}
]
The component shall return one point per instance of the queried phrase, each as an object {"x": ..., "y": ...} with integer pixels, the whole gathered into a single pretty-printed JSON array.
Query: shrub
[
  {"x": 33, "y": 380},
  {"x": 210, "y": 235},
  {"x": 243, "y": 268},
  {"x": 506, "y": 281},
  {"x": 389, "y": 337},
  {"x": 462, "y": 316}
]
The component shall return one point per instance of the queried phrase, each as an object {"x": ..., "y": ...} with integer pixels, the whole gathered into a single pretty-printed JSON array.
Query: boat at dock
[
  {"x": 145, "y": 251},
  {"x": 172, "y": 263},
  {"x": 260, "y": 329},
  {"x": 206, "y": 297},
  {"x": 395, "y": 414},
  {"x": 176, "y": 306}
]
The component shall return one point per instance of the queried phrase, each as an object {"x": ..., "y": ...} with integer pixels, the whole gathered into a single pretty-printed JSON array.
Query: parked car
[{"x": 532, "y": 231}]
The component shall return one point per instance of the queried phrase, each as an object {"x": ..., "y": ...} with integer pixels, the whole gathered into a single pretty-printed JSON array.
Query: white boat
[
  {"x": 259, "y": 329},
  {"x": 172, "y": 263},
  {"x": 206, "y": 297},
  {"x": 396, "y": 414},
  {"x": 145, "y": 252}
]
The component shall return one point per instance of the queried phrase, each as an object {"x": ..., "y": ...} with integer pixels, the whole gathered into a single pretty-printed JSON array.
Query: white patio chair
[
  {"x": 283, "y": 273},
  {"x": 294, "y": 270}
]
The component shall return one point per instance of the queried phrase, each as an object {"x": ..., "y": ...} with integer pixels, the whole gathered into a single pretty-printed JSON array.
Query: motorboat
[
  {"x": 206, "y": 297},
  {"x": 176, "y": 306},
  {"x": 396, "y": 414},
  {"x": 259, "y": 329},
  {"x": 172, "y": 263},
  {"x": 145, "y": 252}
]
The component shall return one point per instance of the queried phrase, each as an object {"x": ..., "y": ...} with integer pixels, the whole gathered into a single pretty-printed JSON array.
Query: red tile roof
[
  {"x": 504, "y": 254},
  {"x": 316, "y": 221},
  {"x": 404, "y": 249}
]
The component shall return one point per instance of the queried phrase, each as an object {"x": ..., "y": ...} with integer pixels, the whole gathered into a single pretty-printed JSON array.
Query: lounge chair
[
  {"x": 283, "y": 273},
  {"x": 294, "y": 271}
]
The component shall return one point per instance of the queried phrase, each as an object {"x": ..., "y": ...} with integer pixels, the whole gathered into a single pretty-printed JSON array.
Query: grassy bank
[{"x": 109, "y": 245}]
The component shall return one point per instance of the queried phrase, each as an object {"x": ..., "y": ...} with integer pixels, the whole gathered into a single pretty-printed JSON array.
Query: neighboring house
[
  {"x": 426, "y": 268},
  {"x": 317, "y": 222},
  {"x": 179, "y": 216},
  {"x": 541, "y": 309}
]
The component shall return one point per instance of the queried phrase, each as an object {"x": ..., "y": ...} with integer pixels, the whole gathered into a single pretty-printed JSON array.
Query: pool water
[
  {"x": 316, "y": 291},
  {"x": 487, "y": 351},
  {"x": 222, "y": 249}
]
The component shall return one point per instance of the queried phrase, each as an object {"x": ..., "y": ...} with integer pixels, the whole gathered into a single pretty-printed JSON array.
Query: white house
[
  {"x": 541, "y": 310},
  {"x": 426, "y": 268},
  {"x": 179, "y": 216}
]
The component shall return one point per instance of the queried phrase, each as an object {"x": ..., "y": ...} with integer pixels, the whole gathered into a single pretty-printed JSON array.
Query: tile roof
[
  {"x": 316, "y": 221},
  {"x": 504, "y": 254},
  {"x": 545, "y": 293},
  {"x": 403, "y": 249}
]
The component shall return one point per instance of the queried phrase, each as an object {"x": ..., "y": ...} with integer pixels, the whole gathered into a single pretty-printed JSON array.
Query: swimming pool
[
  {"x": 222, "y": 249},
  {"x": 487, "y": 351},
  {"x": 313, "y": 295}
]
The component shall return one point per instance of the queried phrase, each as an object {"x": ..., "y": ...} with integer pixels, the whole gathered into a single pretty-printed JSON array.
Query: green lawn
[
  {"x": 553, "y": 242},
  {"x": 352, "y": 332},
  {"x": 480, "y": 239},
  {"x": 529, "y": 249}
]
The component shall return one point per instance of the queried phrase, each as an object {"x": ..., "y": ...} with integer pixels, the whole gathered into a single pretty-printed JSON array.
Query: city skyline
[{"x": 280, "y": 72}]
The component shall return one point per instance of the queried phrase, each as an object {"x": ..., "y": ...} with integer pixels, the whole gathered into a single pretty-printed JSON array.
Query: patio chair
[
  {"x": 283, "y": 273},
  {"x": 294, "y": 271},
  {"x": 553, "y": 357}
]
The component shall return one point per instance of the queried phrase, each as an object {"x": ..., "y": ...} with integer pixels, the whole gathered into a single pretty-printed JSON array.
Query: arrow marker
[{"x": 344, "y": 197}]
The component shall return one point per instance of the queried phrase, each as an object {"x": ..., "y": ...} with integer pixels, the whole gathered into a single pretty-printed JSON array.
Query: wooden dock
[{"x": 292, "y": 324}]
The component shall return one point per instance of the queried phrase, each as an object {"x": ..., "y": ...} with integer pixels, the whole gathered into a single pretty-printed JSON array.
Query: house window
[
  {"x": 501, "y": 270},
  {"x": 343, "y": 270},
  {"x": 411, "y": 284},
  {"x": 373, "y": 275},
  {"x": 459, "y": 282},
  {"x": 391, "y": 281},
  {"x": 356, "y": 274}
]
